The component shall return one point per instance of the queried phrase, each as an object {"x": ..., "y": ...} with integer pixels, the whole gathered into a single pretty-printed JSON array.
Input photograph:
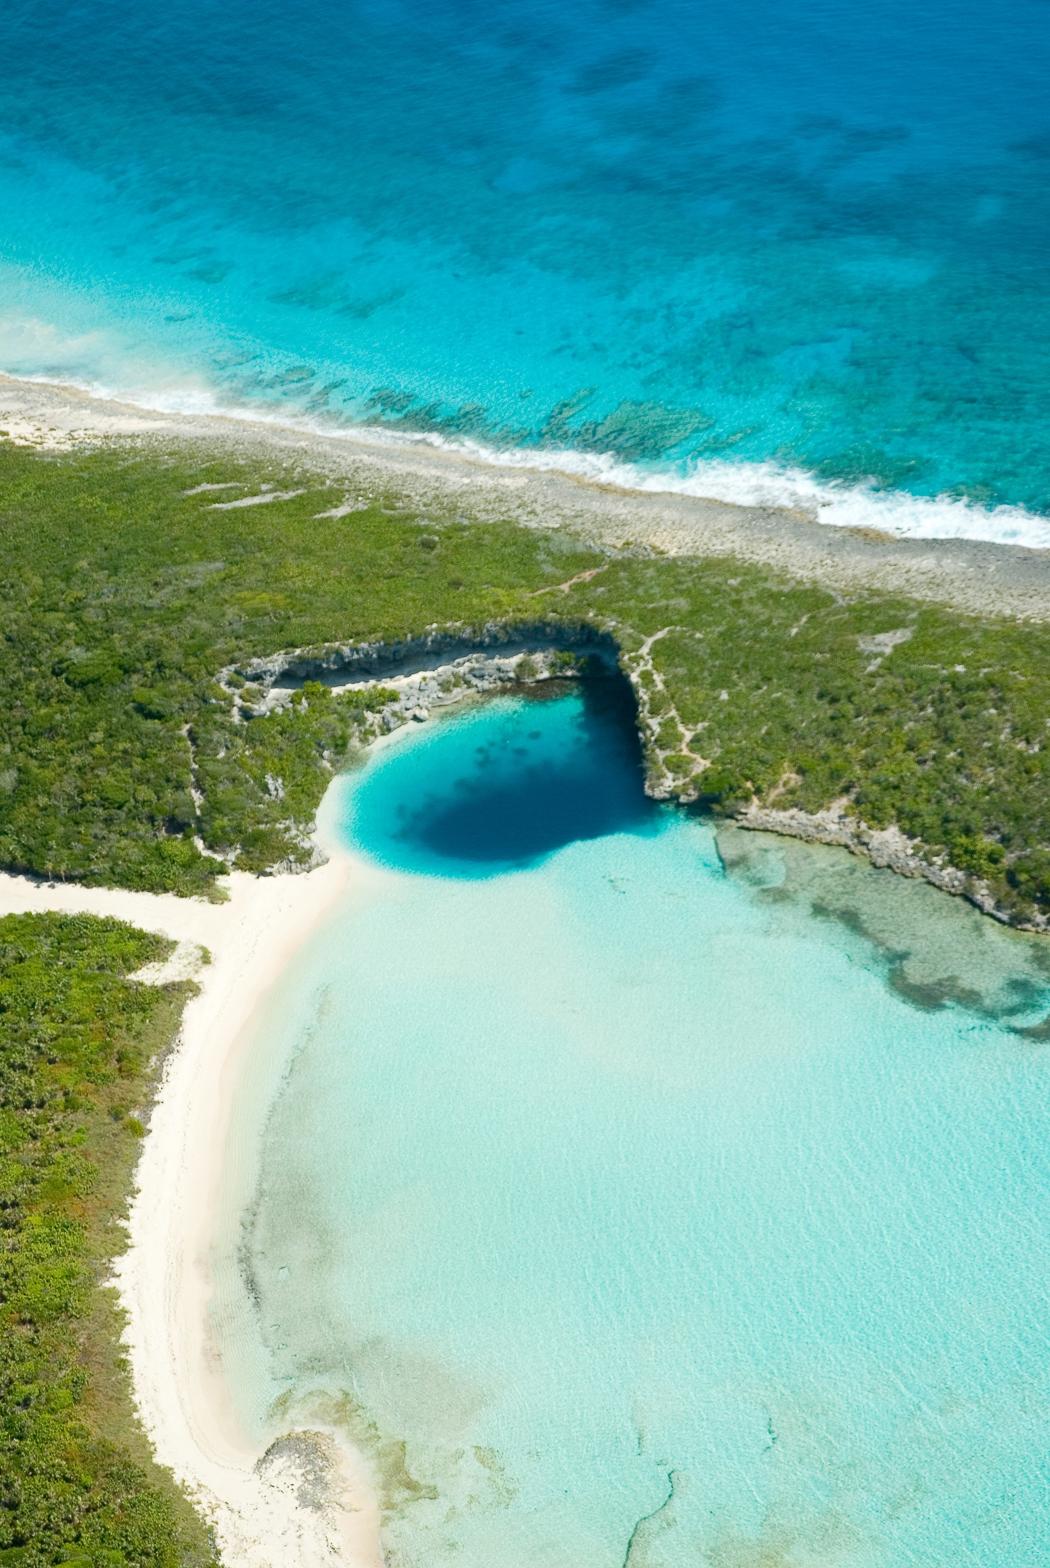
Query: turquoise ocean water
[
  {"x": 637, "y": 1197},
  {"x": 754, "y": 252}
]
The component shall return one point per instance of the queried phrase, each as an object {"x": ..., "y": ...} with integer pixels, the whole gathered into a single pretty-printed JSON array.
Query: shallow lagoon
[{"x": 637, "y": 1197}]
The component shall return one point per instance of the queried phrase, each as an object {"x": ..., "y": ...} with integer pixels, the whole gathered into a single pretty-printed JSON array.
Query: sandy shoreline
[
  {"x": 270, "y": 1514},
  {"x": 972, "y": 575}
]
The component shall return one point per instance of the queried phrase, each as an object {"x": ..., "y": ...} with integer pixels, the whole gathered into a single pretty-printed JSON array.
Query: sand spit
[
  {"x": 972, "y": 575},
  {"x": 308, "y": 1501}
]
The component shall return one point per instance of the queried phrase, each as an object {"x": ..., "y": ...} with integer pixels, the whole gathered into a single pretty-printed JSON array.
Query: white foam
[
  {"x": 767, "y": 484},
  {"x": 839, "y": 505}
]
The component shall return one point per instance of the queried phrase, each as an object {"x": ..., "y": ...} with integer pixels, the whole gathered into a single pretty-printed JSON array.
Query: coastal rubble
[{"x": 887, "y": 848}]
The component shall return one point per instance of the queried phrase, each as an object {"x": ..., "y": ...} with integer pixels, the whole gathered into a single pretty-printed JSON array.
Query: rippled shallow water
[
  {"x": 811, "y": 236},
  {"x": 621, "y": 1185}
]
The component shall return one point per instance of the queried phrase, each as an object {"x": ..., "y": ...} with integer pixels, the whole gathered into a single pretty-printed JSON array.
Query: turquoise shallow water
[
  {"x": 805, "y": 239},
  {"x": 615, "y": 1189}
]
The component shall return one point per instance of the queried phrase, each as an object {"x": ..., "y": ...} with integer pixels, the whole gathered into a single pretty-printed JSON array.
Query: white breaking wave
[
  {"x": 767, "y": 484},
  {"x": 835, "y": 504}
]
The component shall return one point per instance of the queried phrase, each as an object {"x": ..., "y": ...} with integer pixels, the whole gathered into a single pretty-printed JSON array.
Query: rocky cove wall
[
  {"x": 442, "y": 666},
  {"x": 447, "y": 665}
]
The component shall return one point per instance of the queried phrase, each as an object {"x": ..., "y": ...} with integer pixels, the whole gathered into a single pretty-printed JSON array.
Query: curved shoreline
[
  {"x": 266, "y": 1509},
  {"x": 976, "y": 576},
  {"x": 308, "y": 1499}
]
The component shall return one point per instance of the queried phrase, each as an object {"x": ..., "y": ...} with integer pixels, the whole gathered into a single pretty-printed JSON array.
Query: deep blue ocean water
[
  {"x": 765, "y": 240},
  {"x": 617, "y": 1183}
]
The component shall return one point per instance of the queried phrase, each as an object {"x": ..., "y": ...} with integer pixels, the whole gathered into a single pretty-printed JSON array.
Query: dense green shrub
[
  {"x": 943, "y": 734},
  {"x": 77, "y": 1039},
  {"x": 123, "y": 597}
]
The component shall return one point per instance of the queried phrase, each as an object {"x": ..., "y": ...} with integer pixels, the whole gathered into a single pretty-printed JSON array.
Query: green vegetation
[
  {"x": 123, "y": 759},
  {"x": 796, "y": 698},
  {"x": 259, "y": 780},
  {"x": 77, "y": 1484},
  {"x": 124, "y": 597},
  {"x": 121, "y": 601}
]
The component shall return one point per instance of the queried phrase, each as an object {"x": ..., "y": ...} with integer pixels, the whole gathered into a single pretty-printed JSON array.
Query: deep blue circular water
[{"x": 485, "y": 791}]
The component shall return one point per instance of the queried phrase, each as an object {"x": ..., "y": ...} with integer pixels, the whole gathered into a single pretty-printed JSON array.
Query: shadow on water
[{"x": 509, "y": 784}]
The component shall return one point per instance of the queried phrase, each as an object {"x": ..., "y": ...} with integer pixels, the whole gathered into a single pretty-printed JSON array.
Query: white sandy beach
[{"x": 275, "y": 1514}]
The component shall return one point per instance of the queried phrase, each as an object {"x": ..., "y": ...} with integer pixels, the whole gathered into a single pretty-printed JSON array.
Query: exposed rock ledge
[
  {"x": 419, "y": 675},
  {"x": 435, "y": 652},
  {"x": 886, "y": 848}
]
